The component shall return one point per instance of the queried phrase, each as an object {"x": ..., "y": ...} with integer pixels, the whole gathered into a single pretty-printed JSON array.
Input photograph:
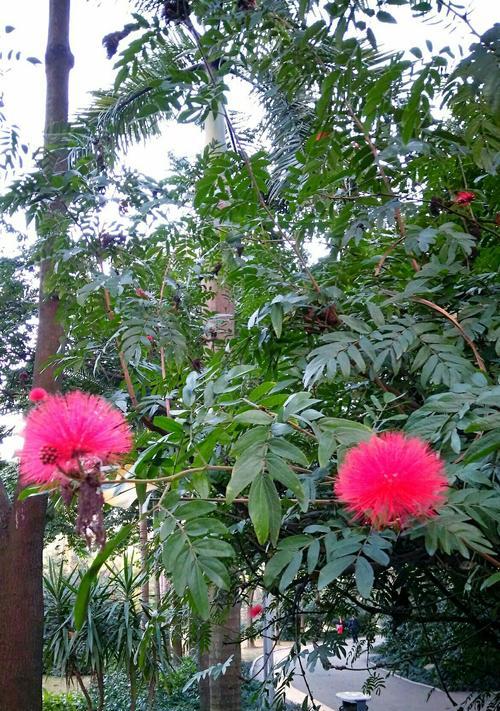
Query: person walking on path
[{"x": 353, "y": 628}]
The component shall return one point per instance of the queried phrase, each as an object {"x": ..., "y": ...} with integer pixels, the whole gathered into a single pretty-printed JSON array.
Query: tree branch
[{"x": 480, "y": 362}]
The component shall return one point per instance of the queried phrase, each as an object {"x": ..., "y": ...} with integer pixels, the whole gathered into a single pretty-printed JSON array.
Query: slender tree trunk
[
  {"x": 176, "y": 630},
  {"x": 100, "y": 690},
  {"x": 157, "y": 591},
  {"x": 83, "y": 689},
  {"x": 132, "y": 680},
  {"x": 143, "y": 547},
  {"x": 225, "y": 691},
  {"x": 251, "y": 641},
  {"x": 176, "y": 641},
  {"x": 22, "y": 523}
]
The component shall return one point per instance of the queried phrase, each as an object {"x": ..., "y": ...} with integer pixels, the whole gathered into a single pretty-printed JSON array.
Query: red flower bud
[
  {"x": 321, "y": 135},
  {"x": 141, "y": 294},
  {"x": 464, "y": 197},
  {"x": 255, "y": 611},
  {"x": 37, "y": 394}
]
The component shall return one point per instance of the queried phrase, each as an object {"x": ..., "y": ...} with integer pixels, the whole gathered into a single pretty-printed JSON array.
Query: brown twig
[
  {"x": 489, "y": 558},
  {"x": 178, "y": 475},
  {"x": 480, "y": 362},
  {"x": 389, "y": 389},
  {"x": 126, "y": 372},
  {"x": 387, "y": 252},
  {"x": 193, "y": 470},
  {"x": 219, "y": 500},
  {"x": 245, "y": 500}
]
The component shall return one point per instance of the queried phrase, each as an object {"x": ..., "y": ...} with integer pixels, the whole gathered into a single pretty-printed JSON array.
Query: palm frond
[{"x": 148, "y": 90}]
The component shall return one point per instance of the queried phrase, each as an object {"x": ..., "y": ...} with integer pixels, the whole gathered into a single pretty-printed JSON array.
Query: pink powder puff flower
[
  {"x": 390, "y": 479},
  {"x": 37, "y": 394},
  {"x": 255, "y": 611},
  {"x": 66, "y": 435}
]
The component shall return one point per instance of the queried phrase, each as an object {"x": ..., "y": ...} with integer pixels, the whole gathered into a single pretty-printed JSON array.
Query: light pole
[{"x": 268, "y": 642}]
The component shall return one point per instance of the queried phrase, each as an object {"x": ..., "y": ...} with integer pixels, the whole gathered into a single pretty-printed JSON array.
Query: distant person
[{"x": 353, "y": 627}]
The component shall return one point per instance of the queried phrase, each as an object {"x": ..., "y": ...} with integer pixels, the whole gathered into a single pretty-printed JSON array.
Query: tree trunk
[
  {"x": 143, "y": 548},
  {"x": 21, "y": 606},
  {"x": 225, "y": 691},
  {"x": 22, "y": 524},
  {"x": 176, "y": 641},
  {"x": 100, "y": 690},
  {"x": 251, "y": 640},
  {"x": 204, "y": 684},
  {"x": 83, "y": 689}
]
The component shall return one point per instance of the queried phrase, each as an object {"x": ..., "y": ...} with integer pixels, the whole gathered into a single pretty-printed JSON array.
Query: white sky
[{"x": 23, "y": 84}]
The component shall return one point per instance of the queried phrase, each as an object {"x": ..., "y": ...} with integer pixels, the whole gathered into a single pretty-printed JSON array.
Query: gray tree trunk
[
  {"x": 143, "y": 549},
  {"x": 22, "y": 523}
]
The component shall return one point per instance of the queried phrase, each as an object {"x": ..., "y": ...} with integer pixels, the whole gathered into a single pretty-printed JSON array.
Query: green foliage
[
  {"x": 17, "y": 306},
  {"x": 117, "y": 697},
  {"x": 62, "y": 702},
  {"x": 389, "y": 330},
  {"x": 118, "y": 632},
  {"x": 171, "y": 697},
  {"x": 81, "y": 602},
  {"x": 194, "y": 552},
  {"x": 440, "y": 653},
  {"x": 396, "y": 326}
]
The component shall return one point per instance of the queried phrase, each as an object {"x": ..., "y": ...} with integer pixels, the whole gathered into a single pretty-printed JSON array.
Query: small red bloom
[
  {"x": 141, "y": 294},
  {"x": 321, "y": 135},
  {"x": 151, "y": 339},
  {"x": 464, "y": 197},
  {"x": 38, "y": 394},
  {"x": 255, "y": 611},
  {"x": 390, "y": 479},
  {"x": 69, "y": 435}
]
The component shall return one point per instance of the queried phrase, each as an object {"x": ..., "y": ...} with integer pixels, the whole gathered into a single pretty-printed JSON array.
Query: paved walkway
[{"x": 398, "y": 694}]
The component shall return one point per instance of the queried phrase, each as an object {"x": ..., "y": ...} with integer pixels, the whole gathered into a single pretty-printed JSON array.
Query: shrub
[
  {"x": 178, "y": 677},
  {"x": 117, "y": 696},
  {"x": 467, "y": 660},
  {"x": 62, "y": 702}
]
